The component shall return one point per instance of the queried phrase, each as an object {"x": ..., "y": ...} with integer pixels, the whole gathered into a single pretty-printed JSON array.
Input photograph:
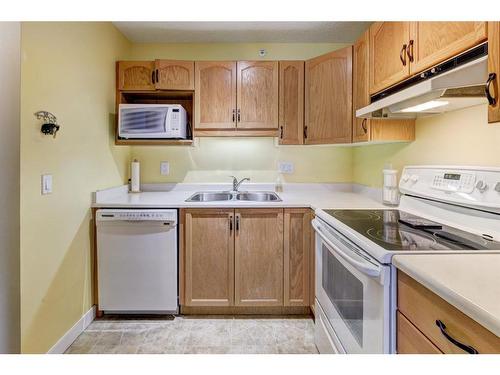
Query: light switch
[
  {"x": 285, "y": 167},
  {"x": 46, "y": 184},
  {"x": 164, "y": 168}
]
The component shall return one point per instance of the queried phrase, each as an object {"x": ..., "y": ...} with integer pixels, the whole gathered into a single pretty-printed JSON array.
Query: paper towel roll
[{"x": 135, "y": 177}]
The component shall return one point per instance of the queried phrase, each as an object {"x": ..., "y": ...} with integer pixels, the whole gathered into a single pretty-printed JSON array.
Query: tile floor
[{"x": 207, "y": 335}]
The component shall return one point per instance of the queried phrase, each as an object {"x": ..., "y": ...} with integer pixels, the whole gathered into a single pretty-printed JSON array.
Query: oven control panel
[
  {"x": 454, "y": 181},
  {"x": 477, "y": 187}
]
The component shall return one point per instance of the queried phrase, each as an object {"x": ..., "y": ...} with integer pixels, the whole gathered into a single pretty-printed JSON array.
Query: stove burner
[
  {"x": 405, "y": 238},
  {"x": 356, "y": 215}
]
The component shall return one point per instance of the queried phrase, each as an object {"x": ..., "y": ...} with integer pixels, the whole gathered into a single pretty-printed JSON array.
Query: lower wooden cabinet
[
  {"x": 420, "y": 310},
  {"x": 245, "y": 257}
]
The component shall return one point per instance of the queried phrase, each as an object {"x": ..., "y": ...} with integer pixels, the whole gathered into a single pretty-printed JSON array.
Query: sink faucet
[{"x": 237, "y": 184}]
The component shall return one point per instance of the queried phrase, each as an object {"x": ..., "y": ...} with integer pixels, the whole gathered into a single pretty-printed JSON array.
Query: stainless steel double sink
[{"x": 220, "y": 196}]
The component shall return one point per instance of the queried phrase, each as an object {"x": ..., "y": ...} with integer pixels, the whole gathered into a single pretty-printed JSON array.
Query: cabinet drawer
[
  {"x": 423, "y": 308},
  {"x": 411, "y": 341}
]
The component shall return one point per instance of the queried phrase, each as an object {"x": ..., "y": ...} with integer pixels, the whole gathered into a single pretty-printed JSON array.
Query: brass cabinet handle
[
  {"x": 363, "y": 125},
  {"x": 402, "y": 55},
  {"x": 491, "y": 99},
  {"x": 409, "y": 51},
  {"x": 467, "y": 348}
]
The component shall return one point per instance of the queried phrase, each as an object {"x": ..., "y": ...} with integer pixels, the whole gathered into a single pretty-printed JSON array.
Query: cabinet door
[
  {"x": 209, "y": 257},
  {"x": 215, "y": 97},
  {"x": 434, "y": 42},
  {"x": 494, "y": 68},
  {"x": 360, "y": 89},
  {"x": 389, "y": 62},
  {"x": 297, "y": 223},
  {"x": 410, "y": 340},
  {"x": 328, "y": 100},
  {"x": 259, "y": 257},
  {"x": 136, "y": 75},
  {"x": 291, "y": 102},
  {"x": 257, "y": 94},
  {"x": 174, "y": 75}
]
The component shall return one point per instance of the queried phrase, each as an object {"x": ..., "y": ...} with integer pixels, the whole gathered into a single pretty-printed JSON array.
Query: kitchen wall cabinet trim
[
  {"x": 208, "y": 257},
  {"x": 360, "y": 87},
  {"x": 291, "y": 102},
  {"x": 435, "y": 42},
  {"x": 257, "y": 94},
  {"x": 174, "y": 75},
  {"x": 297, "y": 241},
  {"x": 258, "y": 257},
  {"x": 328, "y": 98},
  {"x": 494, "y": 68},
  {"x": 215, "y": 95}
]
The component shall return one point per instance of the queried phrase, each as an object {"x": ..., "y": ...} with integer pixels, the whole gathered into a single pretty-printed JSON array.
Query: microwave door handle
[{"x": 365, "y": 267}]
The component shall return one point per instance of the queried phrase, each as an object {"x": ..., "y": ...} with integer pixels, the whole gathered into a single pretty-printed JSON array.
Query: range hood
[{"x": 456, "y": 83}]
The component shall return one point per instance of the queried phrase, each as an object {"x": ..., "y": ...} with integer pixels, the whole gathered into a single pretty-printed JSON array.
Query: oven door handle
[{"x": 365, "y": 267}]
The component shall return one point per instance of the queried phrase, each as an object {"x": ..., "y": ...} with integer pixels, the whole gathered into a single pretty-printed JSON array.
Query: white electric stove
[{"x": 443, "y": 209}]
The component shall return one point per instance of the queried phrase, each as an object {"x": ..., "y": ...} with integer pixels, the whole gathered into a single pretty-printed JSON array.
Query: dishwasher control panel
[{"x": 137, "y": 215}]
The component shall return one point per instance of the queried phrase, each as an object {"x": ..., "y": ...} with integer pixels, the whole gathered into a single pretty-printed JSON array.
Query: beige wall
[
  {"x": 69, "y": 70},
  {"x": 215, "y": 158},
  {"x": 460, "y": 138},
  {"x": 10, "y": 78}
]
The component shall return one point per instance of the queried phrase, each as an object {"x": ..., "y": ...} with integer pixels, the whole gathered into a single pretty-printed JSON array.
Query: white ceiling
[{"x": 242, "y": 32}]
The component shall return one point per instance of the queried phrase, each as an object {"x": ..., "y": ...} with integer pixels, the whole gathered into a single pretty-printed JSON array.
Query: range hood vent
[{"x": 454, "y": 84}]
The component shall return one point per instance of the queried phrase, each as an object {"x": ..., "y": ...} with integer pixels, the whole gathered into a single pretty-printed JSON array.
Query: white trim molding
[{"x": 70, "y": 336}]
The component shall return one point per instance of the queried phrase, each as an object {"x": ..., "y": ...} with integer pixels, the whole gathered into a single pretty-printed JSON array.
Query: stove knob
[
  {"x": 497, "y": 187},
  {"x": 414, "y": 178},
  {"x": 481, "y": 186},
  {"x": 405, "y": 177}
]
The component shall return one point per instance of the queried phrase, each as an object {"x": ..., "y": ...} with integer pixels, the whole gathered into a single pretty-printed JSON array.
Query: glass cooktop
[{"x": 397, "y": 230}]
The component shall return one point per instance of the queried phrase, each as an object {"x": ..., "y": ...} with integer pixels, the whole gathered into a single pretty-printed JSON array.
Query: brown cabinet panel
[
  {"x": 257, "y": 94},
  {"x": 174, "y": 75},
  {"x": 494, "y": 68},
  {"x": 259, "y": 257},
  {"x": 291, "y": 102},
  {"x": 389, "y": 62},
  {"x": 297, "y": 248},
  {"x": 215, "y": 97},
  {"x": 136, "y": 75},
  {"x": 360, "y": 86},
  {"x": 328, "y": 98},
  {"x": 410, "y": 340},
  {"x": 434, "y": 42},
  {"x": 422, "y": 308},
  {"x": 208, "y": 257}
]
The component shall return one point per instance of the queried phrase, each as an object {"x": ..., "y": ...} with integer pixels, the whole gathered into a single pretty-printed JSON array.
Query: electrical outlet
[
  {"x": 164, "y": 168},
  {"x": 46, "y": 184},
  {"x": 285, "y": 167}
]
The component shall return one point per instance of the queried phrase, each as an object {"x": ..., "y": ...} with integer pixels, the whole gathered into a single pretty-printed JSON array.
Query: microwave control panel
[{"x": 454, "y": 181}]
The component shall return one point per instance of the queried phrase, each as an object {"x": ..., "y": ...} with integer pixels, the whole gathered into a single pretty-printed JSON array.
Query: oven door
[{"x": 353, "y": 290}]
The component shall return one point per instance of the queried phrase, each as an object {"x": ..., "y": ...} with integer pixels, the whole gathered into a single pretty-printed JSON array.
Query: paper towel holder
[{"x": 49, "y": 126}]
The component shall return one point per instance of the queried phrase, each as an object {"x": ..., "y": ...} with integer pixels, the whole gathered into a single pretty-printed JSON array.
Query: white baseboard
[{"x": 69, "y": 337}]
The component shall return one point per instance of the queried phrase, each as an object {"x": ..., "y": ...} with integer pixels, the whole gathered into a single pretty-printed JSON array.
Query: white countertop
[
  {"x": 293, "y": 195},
  {"x": 470, "y": 282}
]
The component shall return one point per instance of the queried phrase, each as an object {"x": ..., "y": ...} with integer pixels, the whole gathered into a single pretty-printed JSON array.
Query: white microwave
[{"x": 155, "y": 121}]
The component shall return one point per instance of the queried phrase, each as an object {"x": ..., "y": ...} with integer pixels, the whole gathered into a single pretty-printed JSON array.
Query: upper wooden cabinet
[
  {"x": 360, "y": 90},
  {"x": 328, "y": 98},
  {"x": 297, "y": 256},
  {"x": 215, "y": 97},
  {"x": 136, "y": 75},
  {"x": 257, "y": 94},
  {"x": 494, "y": 71},
  {"x": 208, "y": 258},
  {"x": 174, "y": 75},
  {"x": 291, "y": 102},
  {"x": 433, "y": 42},
  {"x": 388, "y": 59},
  {"x": 258, "y": 257}
]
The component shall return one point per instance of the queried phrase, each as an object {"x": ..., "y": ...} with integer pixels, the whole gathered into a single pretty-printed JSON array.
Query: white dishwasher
[{"x": 137, "y": 260}]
